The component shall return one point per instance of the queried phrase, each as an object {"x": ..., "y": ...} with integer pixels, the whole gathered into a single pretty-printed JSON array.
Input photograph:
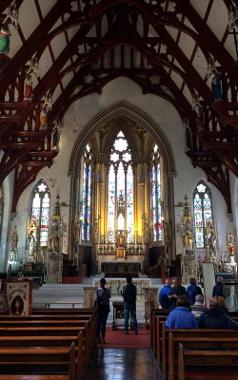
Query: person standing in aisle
[
  {"x": 129, "y": 293},
  {"x": 103, "y": 309}
]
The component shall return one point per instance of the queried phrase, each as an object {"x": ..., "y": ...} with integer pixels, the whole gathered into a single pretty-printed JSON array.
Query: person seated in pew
[
  {"x": 216, "y": 317},
  {"x": 176, "y": 290},
  {"x": 164, "y": 301},
  {"x": 181, "y": 317},
  {"x": 198, "y": 307},
  {"x": 193, "y": 290}
]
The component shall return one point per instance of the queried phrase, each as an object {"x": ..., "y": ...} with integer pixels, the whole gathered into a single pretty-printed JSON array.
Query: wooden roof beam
[
  {"x": 214, "y": 45},
  {"x": 11, "y": 70}
]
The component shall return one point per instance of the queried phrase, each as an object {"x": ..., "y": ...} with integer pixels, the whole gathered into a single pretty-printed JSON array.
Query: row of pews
[
  {"x": 194, "y": 354},
  {"x": 50, "y": 344}
]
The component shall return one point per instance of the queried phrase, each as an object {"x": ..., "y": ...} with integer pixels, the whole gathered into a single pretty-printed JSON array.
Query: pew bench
[
  {"x": 207, "y": 364},
  {"x": 50, "y": 341},
  {"x": 197, "y": 343},
  {"x": 38, "y": 361}
]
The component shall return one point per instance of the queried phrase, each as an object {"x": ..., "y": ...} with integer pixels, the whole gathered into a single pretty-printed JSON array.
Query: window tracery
[
  {"x": 120, "y": 190},
  {"x": 156, "y": 209},
  {"x": 203, "y": 214},
  {"x": 86, "y": 195},
  {"x": 40, "y": 214}
]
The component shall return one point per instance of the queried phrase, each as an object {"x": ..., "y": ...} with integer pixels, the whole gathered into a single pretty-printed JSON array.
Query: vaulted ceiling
[{"x": 184, "y": 51}]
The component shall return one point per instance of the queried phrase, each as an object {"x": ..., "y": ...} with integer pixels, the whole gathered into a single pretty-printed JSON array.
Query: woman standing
[{"x": 103, "y": 309}]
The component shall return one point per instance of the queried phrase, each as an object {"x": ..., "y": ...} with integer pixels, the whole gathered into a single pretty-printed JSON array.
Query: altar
[{"x": 121, "y": 269}]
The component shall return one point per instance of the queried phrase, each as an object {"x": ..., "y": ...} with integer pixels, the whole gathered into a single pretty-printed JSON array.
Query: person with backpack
[
  {"x": 129, "y": 293},
  {"x": 103, "y": 309}
]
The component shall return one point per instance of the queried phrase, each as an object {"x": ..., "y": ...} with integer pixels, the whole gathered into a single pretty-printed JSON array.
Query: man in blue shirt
[
  {"x": 181, "y": 317},
  {"x": 164, "y": 301}
]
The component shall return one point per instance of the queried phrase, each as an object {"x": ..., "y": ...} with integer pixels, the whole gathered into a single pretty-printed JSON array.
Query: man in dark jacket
[
  {"x": 176, "y": 291},
  {"x": 218, "y": 288},
  {"x": 216, "y": 317},
  {"x": 129, "y": 293},
  {"x": 193, "y": 290}
]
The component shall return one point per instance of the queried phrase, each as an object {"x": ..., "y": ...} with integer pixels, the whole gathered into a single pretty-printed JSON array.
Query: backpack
[{"x": 103, "y": 299}]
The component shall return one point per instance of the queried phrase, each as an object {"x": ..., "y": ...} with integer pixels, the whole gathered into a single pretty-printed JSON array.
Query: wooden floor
[{"x": 122, "y": 364}]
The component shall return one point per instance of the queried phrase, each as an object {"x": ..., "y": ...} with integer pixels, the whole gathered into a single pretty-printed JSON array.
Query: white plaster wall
[
  {"x": 7, "y": 190},
  {"x": 81, "y": 112}
]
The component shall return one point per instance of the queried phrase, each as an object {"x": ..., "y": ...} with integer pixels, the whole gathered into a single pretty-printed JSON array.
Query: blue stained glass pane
[
  {"x": 120, "y": 171},
  {"x": 157, "y": 230},
  {"x": 88, "y": 221},
  {"x": 40, "y": 213},
  {"x": 85, "y": 205},
  {"x": 130, "y": 209},
  {"x": 202, "y": 213},
  {"x": 111, "y": 204}
]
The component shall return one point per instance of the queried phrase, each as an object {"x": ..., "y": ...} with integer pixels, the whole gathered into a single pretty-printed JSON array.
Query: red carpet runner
[{"x": 117, "y": 339}]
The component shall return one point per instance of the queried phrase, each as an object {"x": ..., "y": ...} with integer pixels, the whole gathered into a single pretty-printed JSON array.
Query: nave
[{"x": 124, "y": 363}]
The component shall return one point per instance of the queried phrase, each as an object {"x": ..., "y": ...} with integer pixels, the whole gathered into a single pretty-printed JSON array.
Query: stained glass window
[
  {"x": 120, "y": 190},
  {"x": 1, "y": 211},
  {"x": 40, "y": 214},
  {"x": 156, "y": 210},
  {"x": 202, "y": 209},
  {"x": 86, "y": 195}
]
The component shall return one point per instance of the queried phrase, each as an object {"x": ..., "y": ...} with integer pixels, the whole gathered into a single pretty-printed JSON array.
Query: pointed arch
[
  {"x": 202, "y": 211},
  {"x": 109, "y": 121},
  {"x": 40, "y": 214}
]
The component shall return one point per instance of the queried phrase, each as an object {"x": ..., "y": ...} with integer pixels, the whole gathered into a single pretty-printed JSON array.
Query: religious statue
[
  {"x": 232, "y": 301},
  {"x": 31, "y": 246},
  {"x": 230, "y": 244},
  {"x": 55, "y": 237},
  {"x": 14, "y": 240},
  {"x": 4, "y": 39},
  {"x": 121, "y": 239},
  {"x": 77, "y": 230},
  {"x": 211, "y": 239}
]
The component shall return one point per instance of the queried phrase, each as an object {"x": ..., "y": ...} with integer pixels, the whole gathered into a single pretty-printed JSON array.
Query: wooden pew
[
  {"x": 207, "y": 364},
  {"x": 63, "y": 311},
  {"x": 58, "y": 332},
  {"x": 50, "y": 341},
  {"x": 182, "y": 333},
  {"x": 34, "y": 377},
  {"x": 198, "y": 343},
  {"x": 38, "y": 360}
]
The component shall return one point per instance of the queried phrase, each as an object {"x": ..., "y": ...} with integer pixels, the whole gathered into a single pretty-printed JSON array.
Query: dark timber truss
[{"x": 143, "y": 40}]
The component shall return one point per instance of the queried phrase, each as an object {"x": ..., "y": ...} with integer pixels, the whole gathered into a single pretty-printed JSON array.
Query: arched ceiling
[{"x": 63, "y": 50}]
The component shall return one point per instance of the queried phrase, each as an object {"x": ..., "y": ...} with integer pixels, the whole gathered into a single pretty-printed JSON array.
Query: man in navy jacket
[{"x": 193, "y": 290}]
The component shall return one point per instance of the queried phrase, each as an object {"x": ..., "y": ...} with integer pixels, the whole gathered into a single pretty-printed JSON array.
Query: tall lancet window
[
  {"x": 202, "y": 210},
  {"x": 1, "y": 211},
  {"x": 40, "y": 214},
  {"x": 120, "y": 190},
  {"x": 86, "y": 195},
  {"x": 156, "y": 210}
]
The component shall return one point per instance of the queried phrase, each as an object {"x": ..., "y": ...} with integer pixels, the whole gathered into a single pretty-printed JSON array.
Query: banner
[{"x": 18, "y": 297}]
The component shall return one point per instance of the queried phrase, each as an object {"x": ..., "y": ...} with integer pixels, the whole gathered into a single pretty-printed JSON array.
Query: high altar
[{"x": 130, "y": 213}]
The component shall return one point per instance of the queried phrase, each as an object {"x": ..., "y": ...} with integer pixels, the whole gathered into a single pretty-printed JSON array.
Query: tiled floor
[{"x": 123, "y": 364}]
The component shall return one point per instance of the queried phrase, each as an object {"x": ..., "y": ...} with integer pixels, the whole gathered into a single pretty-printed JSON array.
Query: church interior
[{"x": 118, "y": 143}]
